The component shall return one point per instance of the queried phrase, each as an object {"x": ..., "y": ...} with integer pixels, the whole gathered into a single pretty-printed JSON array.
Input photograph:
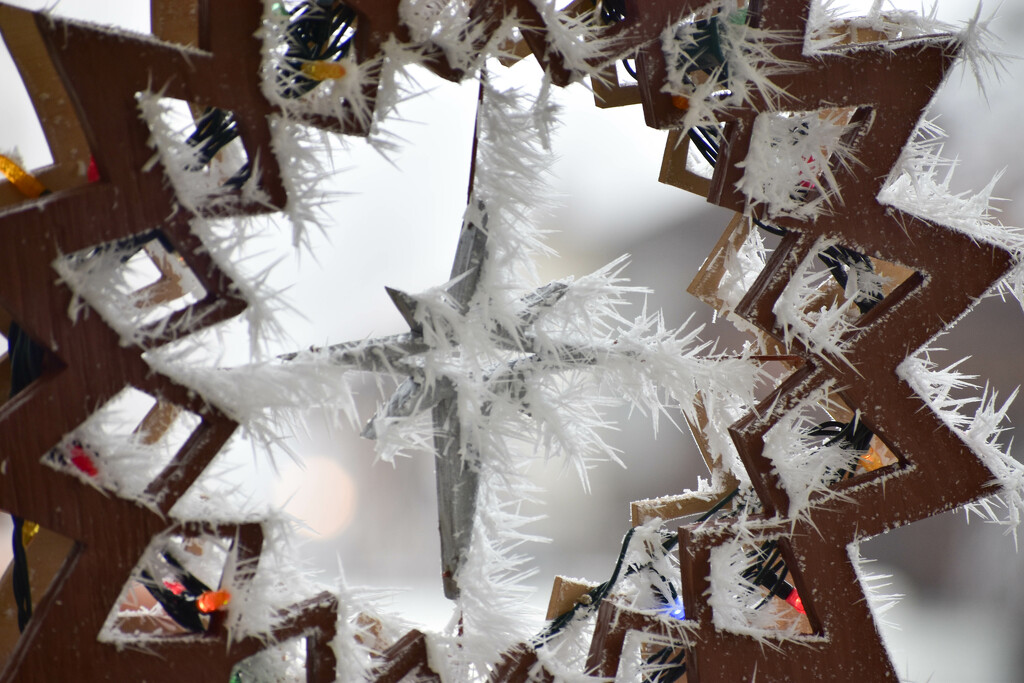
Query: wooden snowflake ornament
[
  {"x": 87, "y": 361},
  {"x": 889, "y": 85},
  {"x": 800, "y": 139}
]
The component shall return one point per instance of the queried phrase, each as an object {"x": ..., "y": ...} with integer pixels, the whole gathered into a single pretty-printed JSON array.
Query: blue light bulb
[{"x": 676, "y": 610}]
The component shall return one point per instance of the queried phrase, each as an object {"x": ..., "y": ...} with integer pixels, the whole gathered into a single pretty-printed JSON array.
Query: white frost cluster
[
  {"x": 576, "y": 37},
  {"x": 135, "y": 288},
  {"x": 198, "y": 187},
  {"x": 737, "y": 605},
  {"x": 979, "y": 421},
  {"x": 446, "y": 24},
  {"x": 113, "y": 439},
  {"x": 919, "y": 184},
  {"x": 340, "y": 98},
  {"x": 739, "y": 273},
  {"x": 530, "y": 369},
  {"x": 830, "y": 25},
  {"x": 806, "y": 465},
  {"x": 790, "y": 166},
  {"x": 813, "y": 311},
  {"x": 745, "y": 77}
]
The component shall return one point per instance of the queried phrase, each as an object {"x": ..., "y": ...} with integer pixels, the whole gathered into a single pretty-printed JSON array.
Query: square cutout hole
[
  {"x": 200, "y": 150},
  {"x": 796, "y": 159},
  {"x": 125, "y": 444},
  {"x": 752, "y": 590},
  {"x": 22, "y": 359},
  {"x": 134, "y": 284},
  {"x": 164, "y": 596}
]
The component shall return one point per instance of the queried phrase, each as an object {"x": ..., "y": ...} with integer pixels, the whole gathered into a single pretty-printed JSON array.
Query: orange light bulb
[
  {"x": 871, "y": 460},
  {"x": 680, "y": 102},
  {"x": 211, "y": 601}
]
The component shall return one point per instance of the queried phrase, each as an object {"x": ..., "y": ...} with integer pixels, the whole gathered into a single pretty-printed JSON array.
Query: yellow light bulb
[
  {"x": 323, "y": 70},
  {"x": 25, "y": 182}
]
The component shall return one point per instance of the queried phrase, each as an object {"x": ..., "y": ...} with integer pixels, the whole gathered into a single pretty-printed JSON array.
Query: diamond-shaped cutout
[
  {"x": 829, "y": 294},
  {"x": 795, "y": 159},
  {"x": 134, "y": 284},
  {"x": 753, "y": 590},
  {"x": 169, "y": 593},
  {"x": 200, "y": 149},
  {"x": 824, "y": 446},
  {"x": 22, "y": 359},
  {"x": 125, "y": 444}
]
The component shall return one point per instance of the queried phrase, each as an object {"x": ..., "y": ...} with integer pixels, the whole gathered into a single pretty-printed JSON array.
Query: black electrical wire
[
  {"x": 705, "y": 139},
  {"x": 180, "y": 605},
  {"x": 215, "y": 129},
  {"x": 317, "y": 31},
  {"x": 612, "y": 11},
  {"x": 854, "y": 436},
  {"x": 26, "y": 366},
  {"x": 771, "y": 575},
  {"x": 600, "y": 592},
  {"x": 835, "y": 258},
  {"x": 19, "y": 571},
  {"x": 671, "y": 668}
]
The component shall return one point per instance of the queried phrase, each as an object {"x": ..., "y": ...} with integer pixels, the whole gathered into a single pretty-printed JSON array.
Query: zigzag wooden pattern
[
  {"x": 380, "y": 20},
  {"x": 86, "y": 365},
  {"x": 891, "y": 84},
  {"x": 888, "y": 85}
]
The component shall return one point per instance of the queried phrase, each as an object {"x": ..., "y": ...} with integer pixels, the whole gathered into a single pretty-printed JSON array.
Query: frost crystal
[
  {"x": 978, "y": 420},
  {"x": 719, "y": 62},
  {"x": 789, "y": 168},
  {"x": 814, "y": 311}
]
